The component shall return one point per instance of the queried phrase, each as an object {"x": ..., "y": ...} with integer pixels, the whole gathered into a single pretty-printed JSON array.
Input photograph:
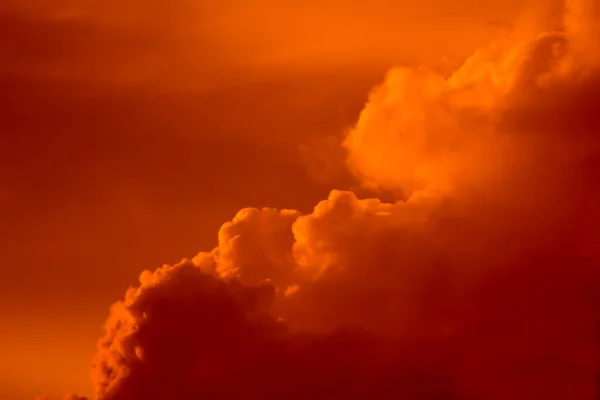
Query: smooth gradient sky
[{"x": 131, "y": 130}]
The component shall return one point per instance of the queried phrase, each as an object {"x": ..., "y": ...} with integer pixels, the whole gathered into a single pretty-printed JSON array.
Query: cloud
[
  {"x": 257, "y": 244},
  {"x": 479, "y": 282},
  {"x": 420, "y": 129},
  {"x": 185, "y": 333}
]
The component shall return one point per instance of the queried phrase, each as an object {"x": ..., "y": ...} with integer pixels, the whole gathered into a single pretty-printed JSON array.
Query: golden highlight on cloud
[{"x": 479, "y": 282}]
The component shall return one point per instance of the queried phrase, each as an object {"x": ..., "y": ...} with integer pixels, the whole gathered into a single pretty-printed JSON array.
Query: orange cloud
[
  {"x": 186, "y": 333},
  {"x": 480, "y": 282},
  {"x": 422, "y": 130}
]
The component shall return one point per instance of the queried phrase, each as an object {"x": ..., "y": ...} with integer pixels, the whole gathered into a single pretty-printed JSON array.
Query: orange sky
[{"x": 132, "y": 130}]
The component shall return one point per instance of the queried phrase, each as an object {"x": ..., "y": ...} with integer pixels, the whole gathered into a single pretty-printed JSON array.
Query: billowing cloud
[
  {"x": 185, "y": 333},
  {"x": 420, "y": 129},
  {"x": 480, "y": 282}
]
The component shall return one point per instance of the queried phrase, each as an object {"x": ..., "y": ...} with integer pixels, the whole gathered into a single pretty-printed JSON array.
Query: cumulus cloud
[
  {"x": 480, "y": 282},
  {"x": 420, "y": 129},
  {"x": 185, "y": 333}
]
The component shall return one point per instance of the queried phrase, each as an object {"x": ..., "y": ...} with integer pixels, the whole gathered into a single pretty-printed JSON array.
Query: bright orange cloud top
[{"x": 479, "y": 282}]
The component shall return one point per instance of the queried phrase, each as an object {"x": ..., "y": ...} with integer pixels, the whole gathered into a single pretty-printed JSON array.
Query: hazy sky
[{"x": 131, "y": 130}]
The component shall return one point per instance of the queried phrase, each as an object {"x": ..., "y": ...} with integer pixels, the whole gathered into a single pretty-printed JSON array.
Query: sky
[{"x": 434, "y": 177}]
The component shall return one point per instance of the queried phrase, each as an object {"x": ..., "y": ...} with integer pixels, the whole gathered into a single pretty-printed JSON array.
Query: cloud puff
[
  {"x": 414, "y": 299},
  {"x": 420, "y": 129},
  {"x": 185, "y": 333},
  {"x": 480, "y": 282}
]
